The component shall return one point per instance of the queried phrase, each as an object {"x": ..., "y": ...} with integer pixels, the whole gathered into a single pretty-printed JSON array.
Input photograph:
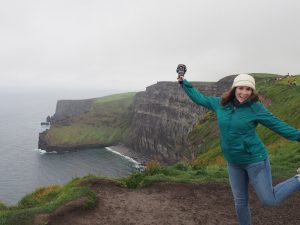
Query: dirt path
[{"x": 165, "y": 203}]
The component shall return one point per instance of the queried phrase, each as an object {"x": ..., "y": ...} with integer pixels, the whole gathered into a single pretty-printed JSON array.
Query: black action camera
[{"x": 181, "y": 70}]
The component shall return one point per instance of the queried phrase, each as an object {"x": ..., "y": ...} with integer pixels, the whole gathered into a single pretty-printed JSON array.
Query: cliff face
[
  {"x": 70, "y": 108},
  {"x": 164, "y": 116}
]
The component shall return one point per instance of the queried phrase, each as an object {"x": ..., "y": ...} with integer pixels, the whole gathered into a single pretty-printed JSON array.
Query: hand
[{"x": 180, "y": 79}]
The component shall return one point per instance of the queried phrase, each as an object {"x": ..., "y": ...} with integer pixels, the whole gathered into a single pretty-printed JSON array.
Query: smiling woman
[
  {"x": 243, "y": 89},
  {"x": 245, "y": 86}
]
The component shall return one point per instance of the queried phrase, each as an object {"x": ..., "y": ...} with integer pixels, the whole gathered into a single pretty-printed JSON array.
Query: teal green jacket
[{"x": 237, "y": 123}]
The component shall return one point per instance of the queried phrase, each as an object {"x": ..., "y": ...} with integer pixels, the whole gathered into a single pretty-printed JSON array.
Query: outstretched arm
[{"x": 266, "y": 118}]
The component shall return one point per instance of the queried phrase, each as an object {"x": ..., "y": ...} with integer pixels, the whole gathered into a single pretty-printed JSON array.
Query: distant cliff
[
  {"x": 91, "y": 123},
  {"x": 155, "y": 122}
]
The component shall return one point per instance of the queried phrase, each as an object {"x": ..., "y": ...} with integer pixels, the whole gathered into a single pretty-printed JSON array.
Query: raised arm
[{"x": 199, "y": 98}]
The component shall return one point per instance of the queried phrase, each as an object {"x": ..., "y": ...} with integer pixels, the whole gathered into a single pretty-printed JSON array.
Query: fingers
[{"x": 180, "y": 78}]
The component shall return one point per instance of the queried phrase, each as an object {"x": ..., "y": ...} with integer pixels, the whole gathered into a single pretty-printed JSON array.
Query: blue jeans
[{"x": 259, "y": 176}]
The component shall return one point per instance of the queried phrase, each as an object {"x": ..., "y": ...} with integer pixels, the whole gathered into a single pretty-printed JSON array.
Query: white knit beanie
[{"x": 244, "y": 80}]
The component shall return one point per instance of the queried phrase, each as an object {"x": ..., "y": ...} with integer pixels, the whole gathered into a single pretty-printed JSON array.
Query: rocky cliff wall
[
  {"x": 69, "y": 108},
  {"x": 163, "y": 117}
]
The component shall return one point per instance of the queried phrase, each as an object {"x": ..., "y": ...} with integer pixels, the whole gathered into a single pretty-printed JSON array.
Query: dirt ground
[{"x": 171, "y": 203}]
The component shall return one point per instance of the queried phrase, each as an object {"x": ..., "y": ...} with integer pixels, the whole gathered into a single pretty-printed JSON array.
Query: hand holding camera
[{"x": 181, "y": 70}]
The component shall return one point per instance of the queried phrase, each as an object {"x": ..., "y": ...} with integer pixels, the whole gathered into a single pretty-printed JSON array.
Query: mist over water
[{"x": 22, "y": 167}]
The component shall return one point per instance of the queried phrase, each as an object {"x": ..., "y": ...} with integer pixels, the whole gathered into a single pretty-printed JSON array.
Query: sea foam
[{"x": 137, "y": 165}]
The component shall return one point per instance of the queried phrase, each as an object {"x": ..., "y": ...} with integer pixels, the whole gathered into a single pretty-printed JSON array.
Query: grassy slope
[
  {"x": 105, "y": 123},
  {"x": 284, "y": 154}
]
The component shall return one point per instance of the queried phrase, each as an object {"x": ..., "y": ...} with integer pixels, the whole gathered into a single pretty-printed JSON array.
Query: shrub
[
  {"x": 135, "y": 180},
  {"x": 2, "y": 206},
  {"x": 153, "y": 167}
]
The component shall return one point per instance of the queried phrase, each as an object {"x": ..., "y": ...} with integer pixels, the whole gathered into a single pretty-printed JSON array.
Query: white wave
[
  {"x": 137, "y": 165},
  {"x": 42, "y": 152}
]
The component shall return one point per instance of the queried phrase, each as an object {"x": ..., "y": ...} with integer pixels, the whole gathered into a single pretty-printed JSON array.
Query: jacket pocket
[{"x": 247, "y": 147}]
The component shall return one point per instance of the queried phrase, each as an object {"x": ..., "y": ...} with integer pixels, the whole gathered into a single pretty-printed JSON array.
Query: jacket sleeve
[
  {"x": 199, "y": 98},
  {"x": 266, "y": 118}
]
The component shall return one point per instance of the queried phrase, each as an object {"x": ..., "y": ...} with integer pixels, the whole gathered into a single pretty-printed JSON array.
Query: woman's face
[{"x": 242, "y": 93}]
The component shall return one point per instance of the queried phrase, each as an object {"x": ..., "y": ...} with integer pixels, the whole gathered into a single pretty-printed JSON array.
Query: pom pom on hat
[{"x": 244, "y": 80}]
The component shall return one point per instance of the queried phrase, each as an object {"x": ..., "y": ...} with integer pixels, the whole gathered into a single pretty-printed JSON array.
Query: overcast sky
[{"x": 131, "y": 44}]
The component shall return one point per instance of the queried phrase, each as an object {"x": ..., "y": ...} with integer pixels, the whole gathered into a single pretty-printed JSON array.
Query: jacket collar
[{"x": 236, "y": 103}]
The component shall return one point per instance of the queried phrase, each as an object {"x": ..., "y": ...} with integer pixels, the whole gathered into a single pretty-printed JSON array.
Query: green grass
[
  {"x": 285, "y": 158},
  {"x": 46, "y": 200},
  {"x": 81, "y": 134},
  {"x": 180, "y": 172}
]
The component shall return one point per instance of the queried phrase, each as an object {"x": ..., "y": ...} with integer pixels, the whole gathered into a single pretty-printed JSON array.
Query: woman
[{"x": 239, "y": 112}]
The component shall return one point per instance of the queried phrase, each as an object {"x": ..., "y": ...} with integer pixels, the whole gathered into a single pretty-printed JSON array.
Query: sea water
[{"x": 23, "y": 167}]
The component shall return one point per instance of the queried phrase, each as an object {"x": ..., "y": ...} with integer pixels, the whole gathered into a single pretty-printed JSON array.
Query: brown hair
[{"x": 229, "y": 95}]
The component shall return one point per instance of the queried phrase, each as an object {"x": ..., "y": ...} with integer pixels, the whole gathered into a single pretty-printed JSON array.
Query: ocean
[{"x": 23, "y": 167}]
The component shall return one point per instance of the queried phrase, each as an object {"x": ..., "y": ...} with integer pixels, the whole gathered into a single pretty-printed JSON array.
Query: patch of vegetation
[
  {"x": 180, "y": 172},
  {"x": 81, "y": 134},
  {"x": 45, "y": 200}
]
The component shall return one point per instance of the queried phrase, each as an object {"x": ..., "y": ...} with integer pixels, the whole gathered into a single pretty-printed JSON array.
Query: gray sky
[{"x": 131, "y": 44}]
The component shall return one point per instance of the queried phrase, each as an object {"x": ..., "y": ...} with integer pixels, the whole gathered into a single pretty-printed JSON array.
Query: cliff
[
  {"x": 164, "y": 116},
  {"x": 155, "y": 122},
  {"x": 92, "y": 123}
]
